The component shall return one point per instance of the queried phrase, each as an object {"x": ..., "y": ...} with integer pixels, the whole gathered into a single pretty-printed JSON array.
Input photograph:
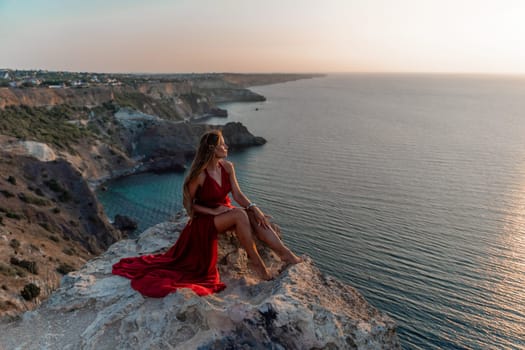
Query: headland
[{"x": 61, "y": 139}]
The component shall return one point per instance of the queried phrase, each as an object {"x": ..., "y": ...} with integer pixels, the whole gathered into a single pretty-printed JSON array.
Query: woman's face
[{"x": 221, "y": 150}]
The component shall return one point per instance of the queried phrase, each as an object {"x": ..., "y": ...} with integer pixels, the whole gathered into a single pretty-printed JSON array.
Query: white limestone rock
[
  {"x": 38, "y": 150},
  {"x": 300, "y": 309}
]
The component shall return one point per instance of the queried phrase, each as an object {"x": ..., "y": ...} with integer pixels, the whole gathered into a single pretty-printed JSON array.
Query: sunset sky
[{"x": 486, "y": 36}]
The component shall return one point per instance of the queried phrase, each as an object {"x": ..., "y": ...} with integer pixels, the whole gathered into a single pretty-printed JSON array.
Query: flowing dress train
[{"x": 192, "y": 261}]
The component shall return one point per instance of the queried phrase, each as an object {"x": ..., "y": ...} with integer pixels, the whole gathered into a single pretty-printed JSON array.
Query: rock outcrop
[
  {"x": 50, "y": 223},
  {"x": 171, "y": 139},
  {"x": 237, "y": 136},
  {"x": 300, "y": 309},
  {"x": 39, "y": 150},
  {"x": 125, "y": 224}
]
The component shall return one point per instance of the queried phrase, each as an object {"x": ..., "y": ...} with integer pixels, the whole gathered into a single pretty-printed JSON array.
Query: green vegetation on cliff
[
  {"x": 64, "y": 127},
  {"x": 143, "y": 102},
  {"x": 56, "y": 125}
]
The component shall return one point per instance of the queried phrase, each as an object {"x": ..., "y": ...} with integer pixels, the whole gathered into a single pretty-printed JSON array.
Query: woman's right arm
[{"x": 192, "y": 187}]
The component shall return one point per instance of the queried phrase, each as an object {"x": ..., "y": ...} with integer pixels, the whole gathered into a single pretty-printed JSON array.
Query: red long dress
[{"x": 192, "y": 261}]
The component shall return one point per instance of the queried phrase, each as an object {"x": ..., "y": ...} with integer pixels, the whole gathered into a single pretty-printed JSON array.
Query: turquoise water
[{"x": 409, "y": 187}]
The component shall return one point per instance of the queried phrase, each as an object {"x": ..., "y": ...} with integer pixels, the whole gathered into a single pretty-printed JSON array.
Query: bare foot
[
  {"x": 290, "y": 258},
  {"x": 262, "y": 271}
]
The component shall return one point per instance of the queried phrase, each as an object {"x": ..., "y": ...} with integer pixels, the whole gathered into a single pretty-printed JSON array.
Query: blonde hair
[{"x": 204, "y": 155}]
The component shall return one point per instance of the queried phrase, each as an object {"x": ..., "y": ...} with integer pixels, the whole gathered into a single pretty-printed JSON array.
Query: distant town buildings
[
  {"x": 55, "y": 80},
  {"x": 59, "y": 80}
]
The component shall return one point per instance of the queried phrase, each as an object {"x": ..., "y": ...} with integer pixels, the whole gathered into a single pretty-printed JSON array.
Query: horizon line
[{"x": 279, "y": 72}]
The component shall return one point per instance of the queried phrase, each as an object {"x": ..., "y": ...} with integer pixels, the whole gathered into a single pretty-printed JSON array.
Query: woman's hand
[
  {"x": 221, "y": 209},
  {"x": 260, "y": 218}
]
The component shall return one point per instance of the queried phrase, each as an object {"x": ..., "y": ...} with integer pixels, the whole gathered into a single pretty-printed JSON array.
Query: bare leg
[
  {"x": 271, "y": 238},
  {"x": 239, "y": 219}
]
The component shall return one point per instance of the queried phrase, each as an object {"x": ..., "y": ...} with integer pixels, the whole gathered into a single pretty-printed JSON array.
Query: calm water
[{"x": 409, "y": 187}]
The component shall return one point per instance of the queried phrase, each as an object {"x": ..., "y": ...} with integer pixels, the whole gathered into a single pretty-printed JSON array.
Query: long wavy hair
[{"x": 204, "y": 155}]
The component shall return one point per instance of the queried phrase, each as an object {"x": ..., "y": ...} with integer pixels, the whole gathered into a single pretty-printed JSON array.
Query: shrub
[
  {"x": 34, "y": 247},
  {"x": 68, "y": 251},
  {"x": 32, "y": 200},
  {"x": 11, "y": 179},
  {"x": 56, "y": 210},
  {"x": 30, "y": 291},
  {"x": 7, "y": 194},
  {"x": 20, "y": 272},
  {"x": 54, "y": 238},
  {"x": 15, "y": 244},
  {"x": 13, "y": 216},
  {"x": 7, "y": 270},
  {"x": 64, "y": 195},
  {"x": 45, "y": 226},
  {"x": 54, "y": 185},
  {"x": 30, "y": 266},
  {"x": 65, "y": 268}
]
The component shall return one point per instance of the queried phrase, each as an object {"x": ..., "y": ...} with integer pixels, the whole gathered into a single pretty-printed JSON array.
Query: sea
[{"x": 409, "y": 187}]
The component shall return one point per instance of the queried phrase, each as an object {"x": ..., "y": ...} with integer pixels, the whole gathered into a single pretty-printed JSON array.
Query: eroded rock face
[
  {"x": 125, "y": 223},
  {"x": 300, "y": 309},
  {"x": 237, "y": 135},
  {"x": 50, "y": 223},
  {"x": 38, "y": 150},
  {"x": 166, "y": 139}
]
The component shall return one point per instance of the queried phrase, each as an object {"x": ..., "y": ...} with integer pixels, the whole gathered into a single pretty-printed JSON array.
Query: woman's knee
[{"x": 241, "y": 216}]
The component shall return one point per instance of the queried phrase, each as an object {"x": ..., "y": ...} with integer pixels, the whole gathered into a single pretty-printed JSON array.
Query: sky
[{"x": 180, "y": 36}]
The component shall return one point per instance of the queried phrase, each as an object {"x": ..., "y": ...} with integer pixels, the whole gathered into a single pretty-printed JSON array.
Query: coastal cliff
[
  {"x": 175, "y": 100},
  {"x": 301, "y": 308},
  {"x": 50, "y": 220},
  {"x": 50, "y": 224},
  {"x": 57, "y": 145}
]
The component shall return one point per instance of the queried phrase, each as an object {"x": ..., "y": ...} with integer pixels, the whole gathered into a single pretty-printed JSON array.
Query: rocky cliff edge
[{"x": 300, "y": 309}]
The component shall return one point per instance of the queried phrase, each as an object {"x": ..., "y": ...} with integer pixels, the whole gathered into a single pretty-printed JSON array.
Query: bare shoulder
[
  {"x": 201, "y": 177},
  {"x": 227, "y": 165},
  {"x": 199, "y": 180}
]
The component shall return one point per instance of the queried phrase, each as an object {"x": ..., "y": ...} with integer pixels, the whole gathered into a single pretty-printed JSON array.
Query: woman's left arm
[{"x": 241, "y": 198}]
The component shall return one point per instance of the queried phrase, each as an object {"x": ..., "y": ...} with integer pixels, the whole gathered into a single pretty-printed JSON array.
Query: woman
[{"x": 191, "y": 262}]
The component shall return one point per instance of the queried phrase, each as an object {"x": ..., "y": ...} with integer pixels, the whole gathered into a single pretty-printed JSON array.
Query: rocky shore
[{"x": 301, "y": 308}]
